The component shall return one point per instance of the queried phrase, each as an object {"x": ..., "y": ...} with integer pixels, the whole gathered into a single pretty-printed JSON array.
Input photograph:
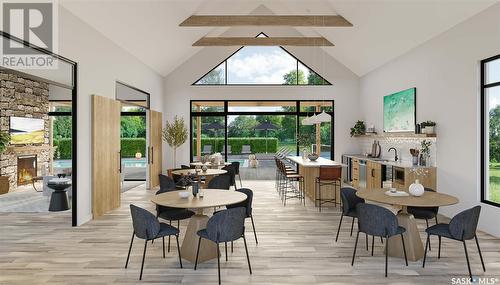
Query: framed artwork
[{"x": 400, "y": 111}]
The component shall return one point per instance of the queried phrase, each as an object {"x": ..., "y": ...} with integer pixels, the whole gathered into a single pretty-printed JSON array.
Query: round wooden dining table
[
  {"x": 414, "y": 245},
  {"x": 209, "y": 164},
  {"x": 211, "y": 198},
  {"x": 209, "y": 174}
]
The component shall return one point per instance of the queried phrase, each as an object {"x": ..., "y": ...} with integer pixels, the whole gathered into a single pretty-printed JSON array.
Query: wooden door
[
  {"x": 155, "y": 147},
  {"x": 105, "y": 155}
]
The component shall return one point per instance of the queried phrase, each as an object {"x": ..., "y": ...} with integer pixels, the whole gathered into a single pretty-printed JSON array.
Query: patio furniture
[
  {"x": 207, "y": 149},
  {"x": 245, "y": 149},
  {"x": 228, "y": 149},
  {"x": 147, "y": 227}
]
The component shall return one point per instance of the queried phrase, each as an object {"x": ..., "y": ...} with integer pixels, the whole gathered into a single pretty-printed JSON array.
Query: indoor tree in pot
[
  {"x": 175, "y": 134},
  {"x": 4, "y": 180}
]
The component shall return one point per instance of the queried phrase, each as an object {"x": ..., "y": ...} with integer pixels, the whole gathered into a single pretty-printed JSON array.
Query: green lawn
[{"x": 494, "y": 189}]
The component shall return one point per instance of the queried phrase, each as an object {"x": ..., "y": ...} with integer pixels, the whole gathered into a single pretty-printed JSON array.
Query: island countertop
[{"x": 319, "y": 162}]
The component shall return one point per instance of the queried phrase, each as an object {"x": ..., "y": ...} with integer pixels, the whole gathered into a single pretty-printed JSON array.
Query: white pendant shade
[
  {"x": 323, "y": 117},
  {"x": 307, "y": 121}
]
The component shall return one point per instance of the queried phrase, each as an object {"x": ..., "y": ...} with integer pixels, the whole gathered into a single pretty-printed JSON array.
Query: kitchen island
[{"x": 310, "y": 170}]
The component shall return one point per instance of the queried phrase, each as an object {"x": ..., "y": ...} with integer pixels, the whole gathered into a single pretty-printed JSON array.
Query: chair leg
[
  {"x": 130, "y": 249},
  {"x": 373, "y": 242},
  {"x": 386, "y": 254},
  {"x": 218, "y": 261},
  {"x": 436, "y": 218},
  {"x": 480, "y": 255},
  {"x": 467, "y": 258},
  {"x": 225, "y": 247},
  {"x": 404, "y": 249},
  {"x": 246, "y": 251},
  {"x": 381, "y": 240},
  {"x": 197, "y": 253},
  {"x": 366, "y": 241},
  {"x": 439, "y": 247},
  {"x": 143, "y": 257},
  {"x": 169, "y": 239},
  {"x": 163, "y": 245},
  {"x": 232, "y": 249},
  {"x": 427, "y": 222},
  {"x": 254, "y": 232},
  {"x": 355, "y": 246},
  {"x": 178, "y": 249},
  {"x": 239, "y": 176},
  {"x": 352, "y": 225},
  {"x": 425, "y": 251},
  {"x": 340, "y": 224}
]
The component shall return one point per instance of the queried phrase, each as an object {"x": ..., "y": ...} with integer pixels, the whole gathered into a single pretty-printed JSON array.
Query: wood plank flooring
[{"x": 296, "y": 246}]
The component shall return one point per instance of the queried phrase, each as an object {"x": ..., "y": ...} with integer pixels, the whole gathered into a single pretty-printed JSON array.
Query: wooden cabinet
[
  {"x": 355, "y": 173},
  {"x": 404, "y": 177},
  {"x": 373, "y": 175}
]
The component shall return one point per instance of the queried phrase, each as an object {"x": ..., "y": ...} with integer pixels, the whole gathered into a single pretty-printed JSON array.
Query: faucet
[{"x": 395, "y": 153}]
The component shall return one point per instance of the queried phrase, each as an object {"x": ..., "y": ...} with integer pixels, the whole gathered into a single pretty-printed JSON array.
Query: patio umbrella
[
  {"x": 266, "y": 126},
  {"x": 215, "y": 126}
]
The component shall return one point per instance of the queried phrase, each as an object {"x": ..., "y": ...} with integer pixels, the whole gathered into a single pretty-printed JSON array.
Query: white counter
[{"x": 319, "y": 162}]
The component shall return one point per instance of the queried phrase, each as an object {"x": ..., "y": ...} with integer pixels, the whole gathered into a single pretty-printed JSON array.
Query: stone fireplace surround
[{"x": 23, "y": 97}]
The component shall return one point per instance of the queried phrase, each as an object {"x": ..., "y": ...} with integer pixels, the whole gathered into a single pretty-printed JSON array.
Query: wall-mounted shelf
[{"x": 396, "y": 135}]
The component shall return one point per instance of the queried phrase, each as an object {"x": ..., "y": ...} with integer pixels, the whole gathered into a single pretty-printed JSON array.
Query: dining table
[
  {"x": 209, "y": 174},
  {"x": 209, "y": 164},
  {"x": 211, "y": 198},
  {"x": 413, "y": 241}
]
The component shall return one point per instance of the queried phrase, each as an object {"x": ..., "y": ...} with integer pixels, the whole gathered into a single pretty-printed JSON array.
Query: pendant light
[
  {"x": 323, "y": 117},
  {"x": 307, "y": 121}
]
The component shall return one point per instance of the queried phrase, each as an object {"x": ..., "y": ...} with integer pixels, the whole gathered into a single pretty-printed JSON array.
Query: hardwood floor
[{"x": 296, "y": 246}]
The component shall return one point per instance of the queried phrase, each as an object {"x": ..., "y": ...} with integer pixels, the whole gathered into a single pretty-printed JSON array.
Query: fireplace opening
[{"x": 26, "y": 169}]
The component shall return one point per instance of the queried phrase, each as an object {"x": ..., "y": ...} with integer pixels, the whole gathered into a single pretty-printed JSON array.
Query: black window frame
[
  {"x": 226, "y": 113},
  {"x": 326, "y": 82},
  {"x": 485, "y": 130}
]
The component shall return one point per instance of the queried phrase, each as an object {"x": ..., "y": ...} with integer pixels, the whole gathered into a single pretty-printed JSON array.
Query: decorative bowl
[
  {"x": 184, "y": 194},
  {"x": 312, "y": 157}
]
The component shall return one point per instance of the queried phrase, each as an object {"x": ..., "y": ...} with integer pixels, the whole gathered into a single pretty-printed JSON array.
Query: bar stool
[
  {"x": 292, "y": 185},
  {"x": 328, "y": 176}
]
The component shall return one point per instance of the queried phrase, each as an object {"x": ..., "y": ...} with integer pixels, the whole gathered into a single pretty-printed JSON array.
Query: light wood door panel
[
  {"x": 105, "y": 155},
  {"x": 155, "y": 147}
]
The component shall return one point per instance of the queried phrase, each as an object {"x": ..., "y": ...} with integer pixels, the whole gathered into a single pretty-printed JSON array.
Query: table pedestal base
[
  {"x": 413, "y": 243},
  {"x": 208, "y": 249}
]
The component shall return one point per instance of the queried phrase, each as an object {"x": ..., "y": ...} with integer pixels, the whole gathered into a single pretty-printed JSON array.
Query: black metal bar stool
[{"x": 328, "y": 176}]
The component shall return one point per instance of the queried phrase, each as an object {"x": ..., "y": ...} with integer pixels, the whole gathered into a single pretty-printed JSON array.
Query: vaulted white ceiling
[{"x": 382, "y": 31}]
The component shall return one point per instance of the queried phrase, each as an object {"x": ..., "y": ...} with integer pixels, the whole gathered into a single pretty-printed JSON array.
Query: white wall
[
  {"x": 100, "y": 64},
  {"x": 445, "y": 71},
  {"x": 345, "y": 92}
]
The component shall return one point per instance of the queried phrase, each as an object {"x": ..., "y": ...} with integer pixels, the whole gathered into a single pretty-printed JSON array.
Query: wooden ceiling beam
[
  {"x": 262, "y": 41},
  {"x": 266, "y": 20}
]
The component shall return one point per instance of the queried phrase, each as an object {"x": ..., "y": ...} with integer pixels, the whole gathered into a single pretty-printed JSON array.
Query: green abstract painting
[{"x": 399, "y": 111}]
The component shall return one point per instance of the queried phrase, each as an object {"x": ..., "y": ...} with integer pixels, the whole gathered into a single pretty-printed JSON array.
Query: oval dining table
[
  {"x": 414, "y": 245},
  {"x": 209, "y": 174},
  {"x": 211, "y": 198}
]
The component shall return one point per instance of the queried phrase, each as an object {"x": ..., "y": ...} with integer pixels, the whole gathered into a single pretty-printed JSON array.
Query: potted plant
[
  {"x": 358, "y": 129},
  {"x": 428, "y": 127},
  {"x": 175, "y": 134},
  {"x": 4, "y": 180},
  {"x": 425, "y": 152}
]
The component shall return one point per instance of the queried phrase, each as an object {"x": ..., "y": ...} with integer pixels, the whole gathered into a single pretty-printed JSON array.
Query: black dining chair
[
  {"x": 183, "y": 166},
  {"x": 349, "y": 203},
  {"x": 425, "y": 213},
  {"x": 147, "y": 227},
  {"x": 462, "y": 227},
  {"x": 220, "y": 182},
  {"x": 236, "y": 165},
  {"x": 231, "y": 172},
  {"x": 170, "y": 214},
  {"x": 223, "y": 227},
  {"x": 378, "y": 221}
]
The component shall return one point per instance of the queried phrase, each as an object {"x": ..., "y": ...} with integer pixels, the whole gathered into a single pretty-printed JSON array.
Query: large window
[
  {"x": 239, "y": 128},
  {"x": 490, "y": 122},
  {"x": 261, "y": 65}
]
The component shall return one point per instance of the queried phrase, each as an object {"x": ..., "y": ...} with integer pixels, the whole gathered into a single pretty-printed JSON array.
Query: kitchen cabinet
[
  {"x": 355, "y": 173},
  {"x": 404, "y": 177},
  {"x": 373, "y": 175}
]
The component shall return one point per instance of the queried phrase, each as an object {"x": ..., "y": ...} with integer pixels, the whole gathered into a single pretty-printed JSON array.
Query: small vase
[
  {"x": 204, "y": 168},
  {"x": 195, "y": 188},
  {"x": 416, "y": 189}
]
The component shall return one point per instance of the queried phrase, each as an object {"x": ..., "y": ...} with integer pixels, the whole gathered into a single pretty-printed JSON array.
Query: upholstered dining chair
[
  {"x": 236, "y": 165},
  {"x": 378, "y": 221},
  {"x": 231, "y": 172},
  {"x": 223, "y": 227},
  {"x": 220, "y": 182},
  {"x": 147, "y": 227},
  {"x": 170, "y": 214},
  {"x": 462, "y": 227}
]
